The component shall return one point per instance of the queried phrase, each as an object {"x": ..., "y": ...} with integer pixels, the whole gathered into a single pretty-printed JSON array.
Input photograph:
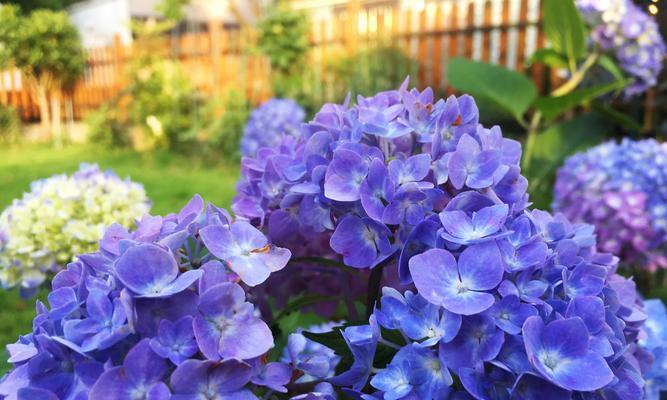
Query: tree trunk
[
  {"x": 56, "y": 118},
  {"x": 40, "y": 90},
  {"x": 43, "y": 102}
]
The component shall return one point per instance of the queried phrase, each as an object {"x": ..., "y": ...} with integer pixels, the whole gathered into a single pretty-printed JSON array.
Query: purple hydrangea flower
[
  {"x": 157, "y": 313},
  {"x": 621, "y": 189},
  {"x": 494, "y": 280},
  {"x": 365, "y": 176},
  {"x": 621, "y": 28},
  {"x": 268, "y": 122}
]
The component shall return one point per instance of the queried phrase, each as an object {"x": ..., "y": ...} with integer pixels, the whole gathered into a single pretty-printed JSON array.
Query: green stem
[
  {"x": 577, "y": 76},
  {"x": 530, "y": 140},
  {"x": 325, "y": 262},
  {"x": 567, "y": 87},
  {"x": 374, "y": 283}
]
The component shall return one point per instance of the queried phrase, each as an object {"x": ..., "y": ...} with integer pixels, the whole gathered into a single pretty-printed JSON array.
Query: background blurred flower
[
  {"x": 269, "y": 122},
  {"x": 655, "y": 342},
  {"x": 621, "y": 188},
  {"x": 631, "y": 36},
  {"x": 62, "y": 216}
]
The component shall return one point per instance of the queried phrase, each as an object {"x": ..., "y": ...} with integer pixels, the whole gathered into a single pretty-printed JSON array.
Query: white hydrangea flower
[{"x": 62, "y": 216}]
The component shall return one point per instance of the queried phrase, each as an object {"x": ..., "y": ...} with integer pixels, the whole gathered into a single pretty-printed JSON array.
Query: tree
[
  {"x": 30, "y": 5},
  {"x": 47, "y": 49}
]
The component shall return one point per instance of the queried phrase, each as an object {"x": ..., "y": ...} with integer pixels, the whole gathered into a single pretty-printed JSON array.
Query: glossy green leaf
[
  {"x": 618, "y": 117},
  {"x": 551, "y": 107},
  {"x": 564, "y": 28},
  {"x": 550, "y": 57},
  {"x": 505, "y": 88},
  {"x": 557, "y": 143}
]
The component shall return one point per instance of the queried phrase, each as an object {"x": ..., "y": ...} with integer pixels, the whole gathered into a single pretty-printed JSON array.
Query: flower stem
[
  {"x": 577, "y": 76},
  {"x": 347, "y": 297},
  {"x": 571, "y": 84},
  {"x": 374, "y": 282}
]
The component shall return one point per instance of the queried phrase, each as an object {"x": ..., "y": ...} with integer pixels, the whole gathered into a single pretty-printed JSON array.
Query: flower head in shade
[
  {"x": 622, "y": 29},
  {"x": 159, "y": 312},
  {"x": 621, "y": 188},
  {"x": 60, "y": 217},
  {"x": 315, "y": 360},
  {"x": 268, "y": 122}
]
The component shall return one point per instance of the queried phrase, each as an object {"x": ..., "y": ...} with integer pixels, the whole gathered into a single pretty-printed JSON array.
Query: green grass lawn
[{"x": 170, "y": 181}]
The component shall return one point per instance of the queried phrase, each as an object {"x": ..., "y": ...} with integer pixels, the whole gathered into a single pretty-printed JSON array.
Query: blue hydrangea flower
[
  {"x": 655, "y": 342},
  {"x": 621, "y": 28},
  {"x": 621, "y": 188},
  {"x": 268, "y": 122},
  {"x": 364, "y": 176},
  {"x": 157, "y": 313},
  {"x": 494, "y": 280}
]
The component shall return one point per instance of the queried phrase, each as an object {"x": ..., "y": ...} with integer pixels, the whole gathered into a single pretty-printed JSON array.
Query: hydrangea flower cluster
[
  {"x": 621, "y": 188},
  {"x": 156, "y": 313},
  {"x": 270, "y": 121},
  {"x": 513, "y": 303},
  {"x": 358, "y": 180},
  {"x": 655, "y": 342},
  {"x": 520, "y": 313},
  {"x": 62, "y": 216},
  {"x": 622, "y": 29}
]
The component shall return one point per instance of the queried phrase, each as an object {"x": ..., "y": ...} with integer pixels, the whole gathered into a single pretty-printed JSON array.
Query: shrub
[
  {"x": 224, "y": 121},
  {"x": 283, "y": 38},
  {"x": 60, "y": 217},
  {"x": 164, "y": 102},
  {"x": 109, "y": 126},
  {"x": 371, "y": 70}
]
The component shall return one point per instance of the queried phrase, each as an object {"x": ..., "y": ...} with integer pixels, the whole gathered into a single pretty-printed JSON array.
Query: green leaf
[
  {"x": 610, "y": 65},
  {"x": 565, "y": 28},
  {"x": 550, "y": 57},
  {"x": 557, "y": 143},
  {"x": 620, "y": 118},
  {"x": 551, "y": 107},
  {"x": 503, "y": 87}
]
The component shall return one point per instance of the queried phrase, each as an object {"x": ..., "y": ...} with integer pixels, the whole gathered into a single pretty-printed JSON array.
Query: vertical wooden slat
[
  {"x": 468, "y": 37},
  {"x": 421, "y": 45},
  {"x": 453, "y": 36},
  {"x": 486, "y": 34},
  {"x": 521, "y": 41},
  {"x": 436, "y": 59}
]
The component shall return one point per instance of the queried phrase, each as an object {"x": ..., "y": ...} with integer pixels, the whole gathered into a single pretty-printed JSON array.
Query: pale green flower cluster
[{"x": 62, "y": 216}]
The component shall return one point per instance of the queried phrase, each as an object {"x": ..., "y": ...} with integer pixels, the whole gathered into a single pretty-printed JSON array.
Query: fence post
[
  {"x": 215, "y": 32},
  {"x": 352, "y": 28}
]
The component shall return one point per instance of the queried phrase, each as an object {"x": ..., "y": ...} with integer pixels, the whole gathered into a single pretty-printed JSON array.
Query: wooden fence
[{"x": 220, "y": 57}]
